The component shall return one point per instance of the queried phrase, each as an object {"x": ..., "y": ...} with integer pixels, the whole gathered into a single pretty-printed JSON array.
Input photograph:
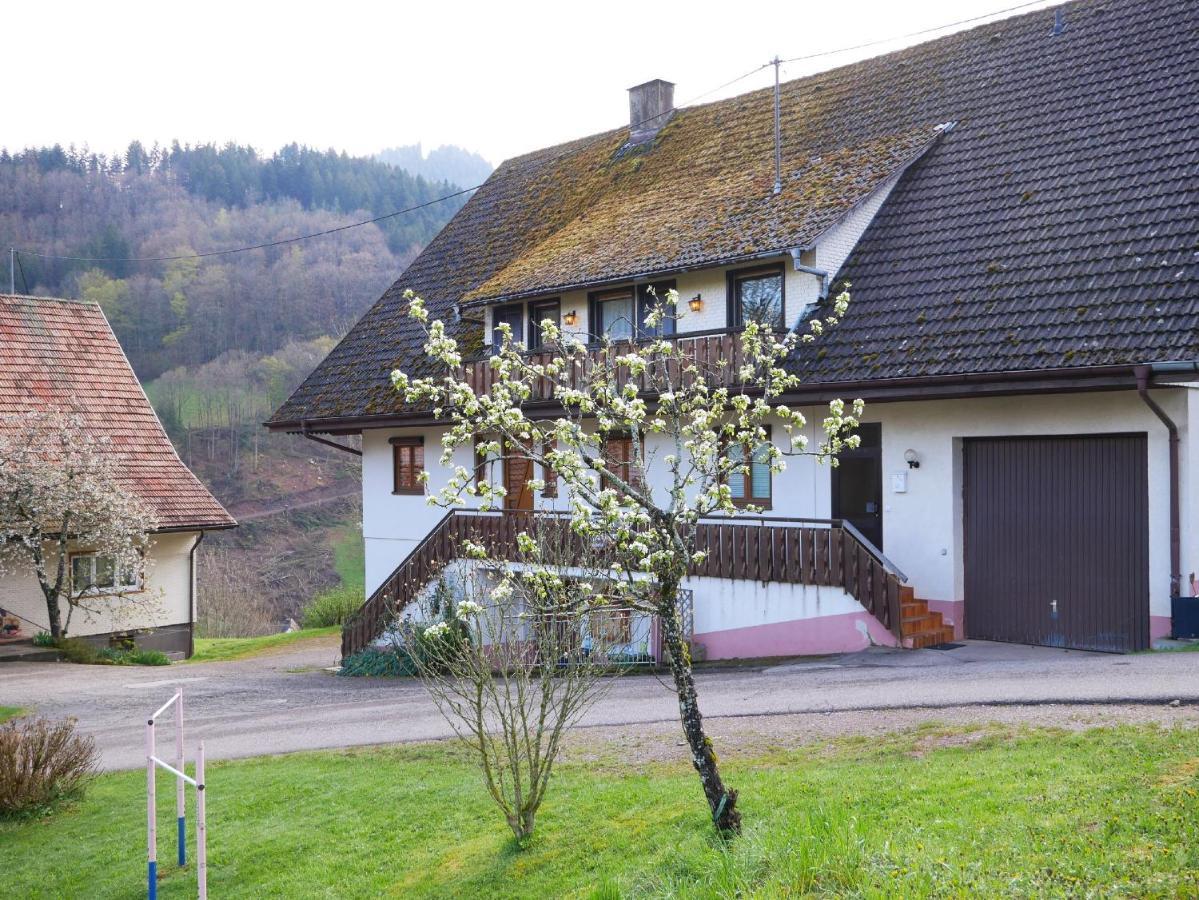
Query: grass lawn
[
  {"x": 218, "y": 649},
  {"x": 931, "y": 812},
  {"x": 10, "y": 712}
]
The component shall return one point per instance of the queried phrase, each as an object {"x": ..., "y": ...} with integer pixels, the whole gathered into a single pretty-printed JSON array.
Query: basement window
[{"x": 408, "y": 465}]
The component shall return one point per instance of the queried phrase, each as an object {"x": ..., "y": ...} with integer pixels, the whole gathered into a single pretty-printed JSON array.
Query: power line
[{"x": 912, "y": 34}]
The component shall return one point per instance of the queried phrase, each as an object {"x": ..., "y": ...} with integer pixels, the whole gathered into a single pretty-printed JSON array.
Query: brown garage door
[{"x": 1057, "y": 541}]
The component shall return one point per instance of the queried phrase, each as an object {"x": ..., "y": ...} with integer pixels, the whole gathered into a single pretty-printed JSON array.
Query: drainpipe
[
  {"x": 191, "y": 597},
  {"x": 1143, "y": 375}
]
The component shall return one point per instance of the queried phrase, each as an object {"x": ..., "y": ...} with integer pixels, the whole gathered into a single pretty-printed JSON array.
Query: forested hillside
[
  {"x": 183, "y": 200},
  {"x": 220, "y": 341}
]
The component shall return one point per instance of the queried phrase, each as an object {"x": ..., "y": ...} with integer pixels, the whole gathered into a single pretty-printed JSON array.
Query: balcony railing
[{"x": 717, "y": 353}]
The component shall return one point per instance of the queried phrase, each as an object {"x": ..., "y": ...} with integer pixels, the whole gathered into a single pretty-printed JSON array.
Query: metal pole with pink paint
[{"x": 181, "y": 780}]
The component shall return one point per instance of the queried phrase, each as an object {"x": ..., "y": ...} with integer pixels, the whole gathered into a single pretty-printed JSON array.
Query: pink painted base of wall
[
  {"x": 798, "y": 637},
  {"x": 1160, "y": 627},
  {"x": 952, "y": 612}
]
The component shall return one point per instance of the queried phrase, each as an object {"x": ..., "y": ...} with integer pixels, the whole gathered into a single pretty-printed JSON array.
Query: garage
[{"x": 1057, "y": 541}]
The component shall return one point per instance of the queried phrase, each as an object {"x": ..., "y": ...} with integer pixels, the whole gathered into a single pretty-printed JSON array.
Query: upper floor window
[
  {"x": 752, "y": 488},
  {"x": 649, "y": 295},
  {"x": 511, "y": 315},
  {"x": 408, "y": 464},
  {"x": 756, "y": 295},
  {"x": 539, "y": 311},
  {"x": 95, "y": 573},
  {"x": 613, "y": 315}
]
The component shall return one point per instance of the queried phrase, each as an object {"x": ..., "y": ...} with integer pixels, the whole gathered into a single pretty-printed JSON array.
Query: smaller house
[{"x": 63, "y": 354}]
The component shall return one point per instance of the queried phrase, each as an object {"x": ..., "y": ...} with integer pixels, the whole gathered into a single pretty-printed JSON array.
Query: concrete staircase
[{"x": 920, "y": 627}]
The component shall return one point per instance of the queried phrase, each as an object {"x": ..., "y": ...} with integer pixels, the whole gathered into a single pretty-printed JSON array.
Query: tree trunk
[{"x": 721, "y": 801}]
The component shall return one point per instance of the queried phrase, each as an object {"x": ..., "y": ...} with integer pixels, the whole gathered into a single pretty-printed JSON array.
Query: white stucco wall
[
  {"x": 922, "y": 528},
  {"x": 164, "y": 602}
]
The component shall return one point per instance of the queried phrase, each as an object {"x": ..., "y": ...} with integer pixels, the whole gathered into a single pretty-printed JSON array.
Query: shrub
[
  {"x": 43, "y": 639},
  {"x": 148, "y": 658},
  {"x": 331, "y": 608},
  {"x": 77, "y": 650},
  {"x": 41, "y": 762},
  {"x": 378, "y": 661}
]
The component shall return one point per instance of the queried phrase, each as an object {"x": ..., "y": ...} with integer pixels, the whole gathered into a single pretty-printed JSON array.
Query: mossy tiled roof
[{"x": 1054, "y": 226}]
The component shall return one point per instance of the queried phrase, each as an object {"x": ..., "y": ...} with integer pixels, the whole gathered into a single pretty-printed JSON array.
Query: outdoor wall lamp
[
  {"x": 570, "y": 318},
  {"x": 912, "y": 458},
  {"x": 696, "y": 303}
]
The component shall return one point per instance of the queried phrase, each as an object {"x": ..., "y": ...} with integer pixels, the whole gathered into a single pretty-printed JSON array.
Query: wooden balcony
[
  {"x": 826, "y": 552},
  {"x": 718, "y": 353}
]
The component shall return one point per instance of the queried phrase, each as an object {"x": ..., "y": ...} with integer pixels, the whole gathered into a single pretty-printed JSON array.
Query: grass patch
[
  {"x": 221, "y": 649},
  {"x": 922, "y": 814},
  {"x": 11, "y": 712}
]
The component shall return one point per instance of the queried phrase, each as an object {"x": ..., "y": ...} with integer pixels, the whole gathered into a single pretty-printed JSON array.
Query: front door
[
  {"x": 518, "y": 472},
  {"x": 858, "y": 485}
]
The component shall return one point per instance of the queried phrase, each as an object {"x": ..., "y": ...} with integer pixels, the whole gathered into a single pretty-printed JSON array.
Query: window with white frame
[{"x": 96, "y": 573}]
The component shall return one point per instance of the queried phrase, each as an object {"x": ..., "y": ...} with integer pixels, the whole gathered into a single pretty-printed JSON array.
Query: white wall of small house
[{"x": 165, "y": 600}]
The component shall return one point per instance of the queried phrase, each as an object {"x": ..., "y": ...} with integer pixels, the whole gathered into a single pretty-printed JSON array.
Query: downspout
[
  {"x": 1143, "y": 375},
  {"x": 191, "y": 597}
]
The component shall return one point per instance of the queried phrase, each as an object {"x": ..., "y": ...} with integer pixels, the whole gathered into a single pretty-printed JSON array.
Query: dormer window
[
  {"x": 511, "y": 315},
  {"x": 756, "y": 295}
]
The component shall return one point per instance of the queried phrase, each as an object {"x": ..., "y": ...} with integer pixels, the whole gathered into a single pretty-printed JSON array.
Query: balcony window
[
  {"x": 613, "y": 315},
  {"x": 646, "y": 301},
  {"x": 512, "y": 315},
  {"x": 756, "y": 295},
  {"x": 539, "y": 311}
]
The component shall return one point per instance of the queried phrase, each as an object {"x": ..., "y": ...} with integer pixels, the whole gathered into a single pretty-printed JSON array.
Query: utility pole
[
  {"x": 12, "y": 271},
  {"x": 778, "y": 134}
]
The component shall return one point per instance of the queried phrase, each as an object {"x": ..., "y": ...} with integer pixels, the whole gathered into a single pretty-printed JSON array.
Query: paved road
[{"x": 285, "y": 702}]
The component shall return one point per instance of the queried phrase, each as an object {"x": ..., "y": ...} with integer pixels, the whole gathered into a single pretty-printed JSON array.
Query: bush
[
  {"x": 41, "y": 762},
  {"x": 331, "y": 608},
  {"x": 43, "y": 639},
  {"x": 378, "y": 661},
  {"x": 77, "y": 650}
]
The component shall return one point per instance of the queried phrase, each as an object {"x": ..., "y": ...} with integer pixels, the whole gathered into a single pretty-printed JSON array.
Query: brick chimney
[{"x": 650, "y": 107}]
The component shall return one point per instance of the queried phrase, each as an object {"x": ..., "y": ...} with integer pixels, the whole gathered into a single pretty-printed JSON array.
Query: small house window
[
  {"x": 648, "y": 296},
  {"x": 756, "y": 295},
  {"x": 539, "y": 311},
  {"x": 612, "y": 315},
  {"x": 408, "y": 464},
  {"x": 752, "y": 488},
  {"x": 511, "y": 315},
  {"x": 95, "y": 573}
]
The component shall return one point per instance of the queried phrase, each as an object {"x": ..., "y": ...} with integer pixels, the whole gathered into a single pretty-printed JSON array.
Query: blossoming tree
[
  {"x": 683, "y": 426},
  {"x": 58, "y": 491}
]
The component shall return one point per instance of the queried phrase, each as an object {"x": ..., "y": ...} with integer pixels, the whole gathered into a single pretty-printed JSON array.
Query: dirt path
[{"x": 261, "y": 509}]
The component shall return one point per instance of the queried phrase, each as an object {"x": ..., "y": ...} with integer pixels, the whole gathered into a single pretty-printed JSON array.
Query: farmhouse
[
  {"x": 62, "y": 354},
  {"x": 1016, "y": 208}
]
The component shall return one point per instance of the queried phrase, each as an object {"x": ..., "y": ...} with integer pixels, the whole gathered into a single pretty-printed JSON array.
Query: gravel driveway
[{"x": 284, "y": 701}]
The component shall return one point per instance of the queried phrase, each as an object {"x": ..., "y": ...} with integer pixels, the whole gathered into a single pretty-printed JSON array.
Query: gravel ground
[{"x": 284, "y": 701}]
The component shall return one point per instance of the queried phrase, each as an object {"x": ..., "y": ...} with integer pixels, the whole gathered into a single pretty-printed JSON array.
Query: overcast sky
[{"x": 500, "y": 78}]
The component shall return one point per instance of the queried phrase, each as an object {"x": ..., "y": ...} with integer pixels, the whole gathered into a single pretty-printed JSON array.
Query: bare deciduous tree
[{"x": 513, "y": 657}]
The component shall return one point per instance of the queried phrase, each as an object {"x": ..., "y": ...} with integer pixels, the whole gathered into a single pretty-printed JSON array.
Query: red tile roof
[{"x": 63, "y": 354}]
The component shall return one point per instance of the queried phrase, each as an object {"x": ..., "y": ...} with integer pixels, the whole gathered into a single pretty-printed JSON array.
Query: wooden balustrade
[{"x": 825, "y": 552}]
